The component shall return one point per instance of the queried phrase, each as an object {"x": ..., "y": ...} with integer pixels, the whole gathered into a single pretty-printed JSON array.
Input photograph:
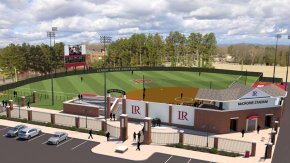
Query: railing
[
  {"x": 41, "y": 116},
  {"x": 199, "y": 141},
  {"x": 236, "y": 146},
  {"x": 113, "y": 130},
  {"x": 164, "y": 138},
  {"x": 23, "y": 113},
  {"x": 90, "y": 123},
  {"x": 65, "y": 120}
]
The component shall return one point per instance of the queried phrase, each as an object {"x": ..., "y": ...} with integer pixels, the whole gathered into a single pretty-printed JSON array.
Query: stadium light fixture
[{"x": 277, "y": 37}]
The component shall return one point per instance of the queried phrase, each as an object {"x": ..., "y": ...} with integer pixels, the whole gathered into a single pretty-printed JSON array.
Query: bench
[{"x": 121, "y": 149}]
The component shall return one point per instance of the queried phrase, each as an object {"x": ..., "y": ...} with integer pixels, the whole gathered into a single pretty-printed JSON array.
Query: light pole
[
  {"x": 104, "y": 40},
  {"x": 51, "y": 34},
  {"x": 287, "y": 62},
  {"x": 105, "y": 94},
  {"x": 277, "y": 37}
]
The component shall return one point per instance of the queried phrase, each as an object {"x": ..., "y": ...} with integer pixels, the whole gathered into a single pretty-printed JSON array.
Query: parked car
[
  {"x": 57, "y": 138},
  {"x": 15, "y": 130},
  {"x": 28, "y": 133}
]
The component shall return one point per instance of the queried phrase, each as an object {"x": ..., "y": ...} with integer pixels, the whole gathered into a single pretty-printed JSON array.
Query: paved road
[
  {"x": 282, "y": 149},
  {"x": 72, "y": 150}
]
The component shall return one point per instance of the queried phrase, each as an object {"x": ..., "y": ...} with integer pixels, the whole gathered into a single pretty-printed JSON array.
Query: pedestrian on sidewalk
[
  {"x": 111, "y": 116},
  {"x": 108, "y": 136},
  {"x": 28, "y": 104},
  {"x": 139, "y": 135},
  {"x": 258, "y": 129},
  {"x": 134, "y": 136},
  {"x": 114, "y": 117},
  {"x": 90, "y": 132},
  {"x": 138, "y": 146},
  {"x": 243, "y": 132},
  {"x": 81, "y": 96},
  {"x": 5, "y": 103}
]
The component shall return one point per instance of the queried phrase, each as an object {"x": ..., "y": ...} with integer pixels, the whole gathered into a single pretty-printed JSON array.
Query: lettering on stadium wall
[{"x": 253, "y": 102}]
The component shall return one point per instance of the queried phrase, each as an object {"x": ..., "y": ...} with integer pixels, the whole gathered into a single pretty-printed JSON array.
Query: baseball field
[{"x": 161, "y": 86}]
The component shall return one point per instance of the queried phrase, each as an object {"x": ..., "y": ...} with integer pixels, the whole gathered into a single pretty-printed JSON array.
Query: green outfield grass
[{"x": 71, "y": 86}]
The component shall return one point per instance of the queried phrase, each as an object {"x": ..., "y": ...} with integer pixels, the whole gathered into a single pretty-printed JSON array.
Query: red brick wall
[
  {"x": 80, "y": 110},
  {"x": 221, "y": 119}
]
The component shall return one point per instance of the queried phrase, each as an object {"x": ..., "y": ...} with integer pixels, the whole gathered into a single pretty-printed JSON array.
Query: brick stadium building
[{"x": 238, "y": 107}]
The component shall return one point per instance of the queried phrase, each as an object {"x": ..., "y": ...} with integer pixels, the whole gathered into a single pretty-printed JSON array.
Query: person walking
[
  {"x": 138, "y": 146},
  {"x": 134, "y": 136},
  {"x": 139, "y": 136},
  {"x": 258, "y": 129},
  {"x": 243, "y": 132},
  {"x": 81, "y": 96},
  {"x": 90, "y": 132},
  {"x": 111, "y": 116},
  {"x": 28, "y": 104},
  {"x": 3, "y": 103},
  {"x": 114, "y": 117},
  {"x": 108, "y": 136}
]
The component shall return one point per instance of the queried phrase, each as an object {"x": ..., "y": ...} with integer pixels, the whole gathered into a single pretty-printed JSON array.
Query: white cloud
[{"x": 82, "y": 20}]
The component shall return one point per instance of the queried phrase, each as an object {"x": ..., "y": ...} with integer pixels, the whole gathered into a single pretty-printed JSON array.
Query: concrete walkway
[{"x": 108, "y": 148}]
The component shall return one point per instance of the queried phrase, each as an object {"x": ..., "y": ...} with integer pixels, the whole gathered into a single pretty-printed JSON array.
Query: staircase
[{"x": 118, "y": 110}]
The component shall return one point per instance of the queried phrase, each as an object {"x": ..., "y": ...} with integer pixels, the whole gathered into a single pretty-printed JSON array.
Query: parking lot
[{"x": 72, "y": 150}]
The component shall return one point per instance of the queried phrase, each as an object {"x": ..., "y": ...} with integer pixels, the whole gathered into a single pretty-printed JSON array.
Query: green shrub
[
  {"x": 48, "y": 124},
  {"x": 179, "y": 145},
  {"x": 213, "y": 150},
  {"x": 74, "y": 128},
  {"x": 24, "y": 120},
  {"x": 3, "y": 116}
]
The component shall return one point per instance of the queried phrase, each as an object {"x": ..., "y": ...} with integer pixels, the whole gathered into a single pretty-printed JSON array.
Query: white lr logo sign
[
  {"x": 135, "y": 109},
  {"x": 182, "y": 115}
]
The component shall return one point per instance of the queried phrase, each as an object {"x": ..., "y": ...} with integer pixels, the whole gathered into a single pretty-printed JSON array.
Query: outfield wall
[{"x": 101, "y": 70}]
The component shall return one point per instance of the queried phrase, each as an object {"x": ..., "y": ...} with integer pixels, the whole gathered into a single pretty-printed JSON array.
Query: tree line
[
  {"x": 250, "y": 54},
  {"x": 154, "y": 50},
  {"x": 25, "y": 57}
]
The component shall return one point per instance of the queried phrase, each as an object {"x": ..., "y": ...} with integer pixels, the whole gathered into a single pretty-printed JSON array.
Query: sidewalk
[{"x": 108, "y": 148}]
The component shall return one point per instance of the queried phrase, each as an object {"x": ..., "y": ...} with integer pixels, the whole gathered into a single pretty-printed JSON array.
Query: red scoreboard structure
[{"x": 74, "y": 55}]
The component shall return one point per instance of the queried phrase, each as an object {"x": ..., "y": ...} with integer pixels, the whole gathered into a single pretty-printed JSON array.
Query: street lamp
[
  {"x": 287, "y": 62},
  {"x": 277, "y": 37}
]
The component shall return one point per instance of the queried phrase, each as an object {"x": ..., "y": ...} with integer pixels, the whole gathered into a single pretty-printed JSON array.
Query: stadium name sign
[
  {"x": 118, "y": 69},
  {"x": 253, "y": 102}
]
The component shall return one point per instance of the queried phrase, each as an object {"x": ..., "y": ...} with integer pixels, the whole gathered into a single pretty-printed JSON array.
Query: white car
[
  {"x": 57, "y": 138},
  {"x": 28, "y": 133}
]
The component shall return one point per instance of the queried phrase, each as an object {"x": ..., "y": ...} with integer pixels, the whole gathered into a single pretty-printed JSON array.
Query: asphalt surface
[
  {"x": 35, "y": 150},
  {"x": 282, "y": 149}
]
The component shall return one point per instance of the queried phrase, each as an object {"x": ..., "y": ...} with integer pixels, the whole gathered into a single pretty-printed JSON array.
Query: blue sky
[{"x": 233, "y": 21}]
